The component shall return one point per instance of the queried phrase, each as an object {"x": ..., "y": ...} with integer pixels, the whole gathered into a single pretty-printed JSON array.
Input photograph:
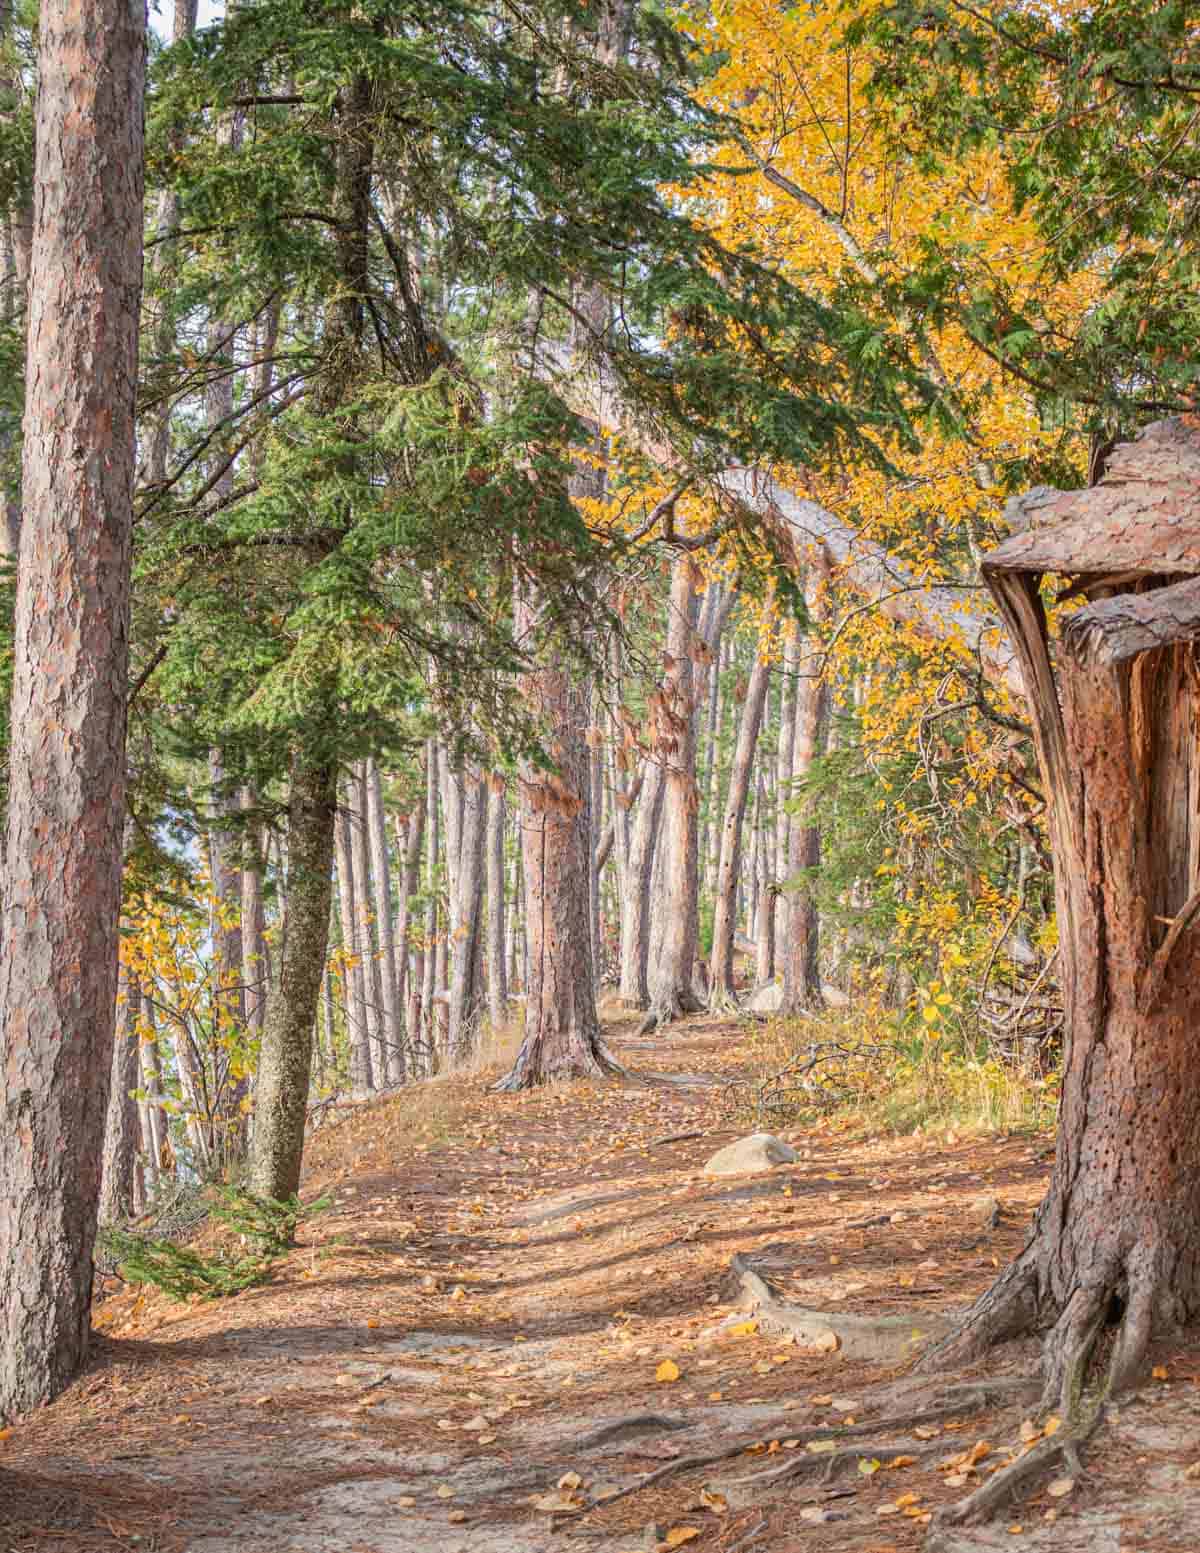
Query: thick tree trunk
[
  {"x": 497, "y": 976},
  {"x": 562, "y": 1030},
  {"x": 391, "y": 1030},
  {"x": 122, "y": 1132},
  {"x": 58, "y": 966},
  {"x": 673, "y": 991},
  {"x": 722, "y": 993},
  {"x": 285, "y": 1061},
  {"x": 1117, "y": 1238}
]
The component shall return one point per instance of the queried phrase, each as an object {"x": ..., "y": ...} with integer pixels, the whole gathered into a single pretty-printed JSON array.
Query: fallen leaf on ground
[
  {"x": 1060, "y": 1487},
  {"x": 668, "y": 1370}
]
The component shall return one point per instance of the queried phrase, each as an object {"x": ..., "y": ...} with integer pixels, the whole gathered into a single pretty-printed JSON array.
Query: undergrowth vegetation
[{"x": 866, "y": 1066}]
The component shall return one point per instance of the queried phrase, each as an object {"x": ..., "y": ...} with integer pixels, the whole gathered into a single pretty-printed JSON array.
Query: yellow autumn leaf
[
  {"x": 744, "y": 1329},
  {"x": 678, "y": 1535},
  {"x": 668, "y": 1370}
]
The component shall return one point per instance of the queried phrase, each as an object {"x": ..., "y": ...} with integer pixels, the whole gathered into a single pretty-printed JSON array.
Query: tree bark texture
[
  {"x": 58, "y": 967},
  {"x": 285, "y": 1061},
  {"x": 635, "y": 903},
  {"x": 497, "y": 974},
  {"x": 801, "y": 925},
  {"x": 562, "y": 1030},
  {"x": 362, "y": 1078},
  {"x": 364, "y": 919},
  {"x": 721, "y": 989},
  {"x": 672, "y": 991},
  {"x": 122, "y": 1132},
  {"x": 381, "y": 875},
  {"x": 467, "y": 991},
  {"x": 1117, "y": 1238}
]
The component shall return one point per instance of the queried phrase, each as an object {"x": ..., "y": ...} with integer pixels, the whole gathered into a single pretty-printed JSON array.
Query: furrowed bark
[{"x": 58, "y": 964}]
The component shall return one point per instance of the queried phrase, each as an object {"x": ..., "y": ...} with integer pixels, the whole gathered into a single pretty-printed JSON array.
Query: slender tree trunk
[
  {"x": 785, "y": 754},
  {"x": 635, "y": 904},
  {"x": 362, "y": 1078},
  {"x": 722, "y": 993},
  {"x": 255, "y": 959},
  {"x": 672, "y": 993},
  {"x": 767, "y": 898},
  {"x": 156, "y": 1131},
  {"x": 330, "y": 1021},
  {"x": 801, "y": 944},
  {"x": 430, "y": 984},
  {"x": 467, "y": 992},
  {"x": 410, "y": 883},
  {"x": 122, "y": 1130},
  {"x": 392, "y": 1034},
  {"x": 285, "y": 1061},
  {"x": 496, "y": 969},
  {"x": 62, "y": 882},
  {"x": 365, "y": 922}
]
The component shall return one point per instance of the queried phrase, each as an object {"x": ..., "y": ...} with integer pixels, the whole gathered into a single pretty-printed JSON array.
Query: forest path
[{"x": 484, "y": 1309}]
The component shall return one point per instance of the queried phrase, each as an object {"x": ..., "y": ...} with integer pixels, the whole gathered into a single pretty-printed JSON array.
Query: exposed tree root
[
  {"x": 952, "y": 1402},
  {"x": 531, "y": 1068},
  {"x": 631, "y": 1424},
  {"x": 886, "y": 1339},
  {"x": 668, "y": 1007},
  {"x": 826, "y": 1464}
]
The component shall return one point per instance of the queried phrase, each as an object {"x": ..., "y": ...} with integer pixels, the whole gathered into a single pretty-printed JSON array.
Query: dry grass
[{"x": 891, "y": 1082}]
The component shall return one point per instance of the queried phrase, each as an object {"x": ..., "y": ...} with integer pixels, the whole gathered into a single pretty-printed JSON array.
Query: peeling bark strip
[
  {"x": 1116, "y": 729},
  {"x": 58, "y": 968}
]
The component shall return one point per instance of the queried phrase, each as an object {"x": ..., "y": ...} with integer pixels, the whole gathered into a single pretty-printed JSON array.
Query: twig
[
  {"x": 748, "y": 1538},
  {"x": 673, "y": 1137}
]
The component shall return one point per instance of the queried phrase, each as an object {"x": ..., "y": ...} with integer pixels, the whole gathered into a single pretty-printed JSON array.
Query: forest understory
[{"x": 519, "y": 1307}]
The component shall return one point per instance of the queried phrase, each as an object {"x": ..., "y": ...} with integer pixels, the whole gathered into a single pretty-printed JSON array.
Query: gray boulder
[{"x": 754, "y": 1155}]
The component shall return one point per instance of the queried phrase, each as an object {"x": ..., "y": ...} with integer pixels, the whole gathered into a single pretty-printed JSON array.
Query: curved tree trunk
[
  {"x": 562, "y": 1030},
  {"x": 722, "y": 993},
  {"x": 285, "y": 1060},
  {"x": 62, "y": 881}
]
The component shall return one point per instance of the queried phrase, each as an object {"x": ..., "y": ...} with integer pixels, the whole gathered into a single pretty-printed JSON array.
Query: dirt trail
[{"x": 476, "y": 1322}]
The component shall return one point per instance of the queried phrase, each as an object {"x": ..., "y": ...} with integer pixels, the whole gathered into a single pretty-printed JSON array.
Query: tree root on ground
[
  {"x": 949, "y": 1402},
  {"x": 885, "y": 1339},
  {"x": 678, "y": 1004}
]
